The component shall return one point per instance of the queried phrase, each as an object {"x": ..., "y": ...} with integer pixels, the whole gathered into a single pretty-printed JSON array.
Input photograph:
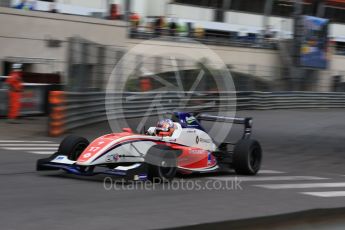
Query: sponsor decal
[
  {"x": 113, "y": 157},
  {"x": 190, "y": 120},
  {"x": 190, "y": 131},
  {"x": 59, "y": 158},
  {"x": 197, "y": 151},
  {"x": 94, "y": 149},
  {"x": 210, "y": 159},
  {"x": 142, "y": 176},
  {"x": 205, "y": 140},
  {"x": 116, "y": 157},
  {"x": 197, "y": 139},
  {"x": 86, "y": 155}
]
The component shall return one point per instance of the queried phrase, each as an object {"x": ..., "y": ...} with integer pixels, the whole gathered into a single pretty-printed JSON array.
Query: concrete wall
[
  {"x": 24, "y": 34},
  {"x": 263, "y": 62},
  {"x": 98, "y": 4},
  {"x": 337, "y": 67}
]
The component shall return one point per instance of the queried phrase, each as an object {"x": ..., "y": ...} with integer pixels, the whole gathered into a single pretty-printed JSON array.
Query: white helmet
[{"x": 165, "y": 125}]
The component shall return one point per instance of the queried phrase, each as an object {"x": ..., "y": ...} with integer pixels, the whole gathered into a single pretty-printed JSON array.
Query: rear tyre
[
  {"x": 72, "y": 146},
  {"x": 161, "y": 161},
  {"x": 247, "y": 157}
]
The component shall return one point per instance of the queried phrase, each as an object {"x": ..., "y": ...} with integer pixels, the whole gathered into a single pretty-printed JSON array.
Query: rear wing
[{"x": 246, "y": 121}]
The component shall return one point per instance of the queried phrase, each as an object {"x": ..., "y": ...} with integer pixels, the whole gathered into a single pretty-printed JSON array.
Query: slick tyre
[
  {"x": 161, "y": 163},
  {"x": 247, "y": 157},
  {"x": 72, "y": 146}
]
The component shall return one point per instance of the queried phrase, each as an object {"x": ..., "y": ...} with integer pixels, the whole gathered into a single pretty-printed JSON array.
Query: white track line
[
  {"x": 37, "y": 145},
  {"x": 264, "y": 171},
  {"x": 43, "y": 152},
  {"x": 306, "y": 185},
  {"x": 269, "y": 178},
  {"x": 36, "y": 148},
  {"x": 21, "y": 141},
  {"x": 326, "y": 194}
]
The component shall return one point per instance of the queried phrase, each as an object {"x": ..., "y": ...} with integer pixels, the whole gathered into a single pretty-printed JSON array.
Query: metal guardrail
[
  {"x": 80, "y": 109},
  {"x": 5, "y": 3},
  {"x": 3, "y": 102}
]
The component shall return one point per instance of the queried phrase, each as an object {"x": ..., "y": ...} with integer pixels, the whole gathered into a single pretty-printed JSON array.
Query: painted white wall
[
  {"x": 96, "y": 4},
  {"x": 190, "y": 12},
  {"x": 140, "y": 7},
  {"x": 254, "y": 22},
  {"x": 35, "y": 27},
  {"x": 337, "y": 31},
  {"x": 157, "y": 7}
]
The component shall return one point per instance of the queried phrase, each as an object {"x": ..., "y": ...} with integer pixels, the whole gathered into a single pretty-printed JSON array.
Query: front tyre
[
  {"x": 161, "y": 161},
  {"x": 73, "y": 146},
  {"x": 247, "y": 157}
]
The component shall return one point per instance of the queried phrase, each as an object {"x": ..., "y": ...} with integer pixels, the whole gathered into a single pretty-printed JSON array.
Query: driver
[{"x": 165, "y": 128}]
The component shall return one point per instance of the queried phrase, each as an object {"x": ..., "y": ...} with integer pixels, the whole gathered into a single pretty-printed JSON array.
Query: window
[
  {"x": 335, "y": 14},
  {"x": 283, "y": 8},
  {"x": 204, "y": 3},
  {"x": 252, "y": 6},
  {"x": 308, "y": 9}
]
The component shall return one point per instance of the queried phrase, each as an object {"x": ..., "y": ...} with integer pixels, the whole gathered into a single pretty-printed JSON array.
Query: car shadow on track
[{"x": 101, "y": 178}]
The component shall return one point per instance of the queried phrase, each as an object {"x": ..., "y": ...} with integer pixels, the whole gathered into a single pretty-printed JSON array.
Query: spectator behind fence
[
  {"x": 52, "y": 8},
  {"x": 269, "y": 34},
  {"x": 199, "y": 32},
  {"x": 135, "y": 21},
  {"x": 173, "y": 27},
  {"x": 243, "y": 35},
  {"x": 159, "y": 26},
  {"x": 25, "y": 5}
]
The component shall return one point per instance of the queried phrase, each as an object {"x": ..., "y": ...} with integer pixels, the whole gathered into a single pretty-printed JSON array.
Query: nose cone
[{"x": 99, "y": 146}]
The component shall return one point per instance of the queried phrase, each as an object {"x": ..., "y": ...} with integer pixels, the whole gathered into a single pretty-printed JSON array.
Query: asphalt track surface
[{"x": 303, "y": 169}]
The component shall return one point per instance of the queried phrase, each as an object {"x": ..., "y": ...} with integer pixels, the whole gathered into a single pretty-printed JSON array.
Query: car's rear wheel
[
  {"x": 247, "y": 157},
  {"x": 73, "y": 146},
  {"x": 161, "y": 161}
]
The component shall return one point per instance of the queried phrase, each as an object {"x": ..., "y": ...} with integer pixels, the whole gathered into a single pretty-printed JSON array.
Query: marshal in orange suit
[{"x": 15, "y": 84}]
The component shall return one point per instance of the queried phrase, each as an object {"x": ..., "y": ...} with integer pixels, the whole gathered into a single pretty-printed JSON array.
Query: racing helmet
[{"x": 165, "y": 127}]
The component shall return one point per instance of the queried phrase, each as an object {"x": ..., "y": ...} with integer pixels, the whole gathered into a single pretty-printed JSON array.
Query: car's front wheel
[
  {"x": 73, "y": 146},
  {"x": 162, "y": 163}
]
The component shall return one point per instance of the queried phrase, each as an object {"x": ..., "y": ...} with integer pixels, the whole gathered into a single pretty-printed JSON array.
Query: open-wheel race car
[{"x": 177, "y": 145}]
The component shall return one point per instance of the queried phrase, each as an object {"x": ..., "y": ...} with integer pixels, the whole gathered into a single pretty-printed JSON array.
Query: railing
[
  {"x": 71, "y": 110},
  {"x": 210, "y": 38},
  {"x": 5, "y": 3}
]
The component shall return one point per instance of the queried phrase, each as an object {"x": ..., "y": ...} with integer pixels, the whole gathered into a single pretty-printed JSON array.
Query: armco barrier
[
  {"x": 3, "y": 102},
  {"x": 71, "y": 109},
  {"x": 57, "y": 113}
]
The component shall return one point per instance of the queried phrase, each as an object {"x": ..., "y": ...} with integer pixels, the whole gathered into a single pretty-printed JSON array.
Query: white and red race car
[{"x": 135, "y": 156}]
